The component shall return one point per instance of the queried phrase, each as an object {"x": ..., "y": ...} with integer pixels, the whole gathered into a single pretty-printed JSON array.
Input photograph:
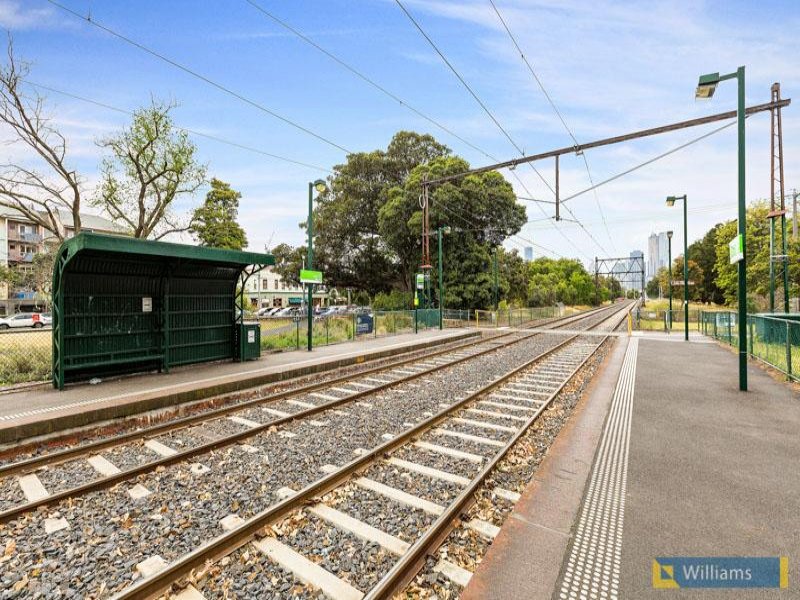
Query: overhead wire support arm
[{"x": 514, "y": 162}]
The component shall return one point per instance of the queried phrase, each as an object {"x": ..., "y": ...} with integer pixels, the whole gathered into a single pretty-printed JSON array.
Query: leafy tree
[
  {"x": 349, "y": 246},
  {"x": 288, "y": 262},
  {"x": 214, "y": 223},
  {"x": 696, "y": 277},
  {"x": 151, "y": 164},
  {"x": 493, "y": 214},
  {"x": 559, "y": 280},
  {"x": 757, "y": 256},
  {"x": 704, "y": 253}
]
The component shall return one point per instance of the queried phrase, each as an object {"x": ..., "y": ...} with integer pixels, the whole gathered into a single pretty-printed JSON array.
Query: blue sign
[
  {"x": 364, "y": 324},
  {"x": 721, "y": 572}
]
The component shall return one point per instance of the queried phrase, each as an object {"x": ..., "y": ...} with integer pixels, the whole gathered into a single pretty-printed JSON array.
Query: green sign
[
  {"x": 307, "y": 276},
  {"x": 294, "y": 300},
  {"x": 736, "y": 249}
]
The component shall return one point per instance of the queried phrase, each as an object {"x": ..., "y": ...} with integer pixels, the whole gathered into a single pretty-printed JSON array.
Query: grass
[{"x": 25, "y": 356}]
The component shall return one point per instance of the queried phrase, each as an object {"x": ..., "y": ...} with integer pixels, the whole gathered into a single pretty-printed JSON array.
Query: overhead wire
[
  {"x": 476, "y": 226},
  {"x": 91, "y": 21},
  {"x": 652, "y": 160},
  {"x": 372, "y": 82},
  {"x": 368, "y": 80},
  {"x": 186, "y": 129},
  {"x": 558, "y": 113},
  {"x": 497, "y": 123}
]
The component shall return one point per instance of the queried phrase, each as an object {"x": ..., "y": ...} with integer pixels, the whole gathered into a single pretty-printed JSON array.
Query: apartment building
[{"x": 21, "y": 239}]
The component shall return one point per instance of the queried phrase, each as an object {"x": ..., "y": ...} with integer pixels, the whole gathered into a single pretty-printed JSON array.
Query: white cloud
[{"x": 13, "y": 15}]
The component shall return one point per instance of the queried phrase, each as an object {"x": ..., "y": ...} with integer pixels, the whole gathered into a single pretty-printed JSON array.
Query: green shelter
[{"x": 124, "y": 305}]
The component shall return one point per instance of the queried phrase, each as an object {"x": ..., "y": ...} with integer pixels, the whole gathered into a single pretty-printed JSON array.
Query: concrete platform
[
  {"x": 43, "y": 410},
  {"x": 684, "y": 465}
]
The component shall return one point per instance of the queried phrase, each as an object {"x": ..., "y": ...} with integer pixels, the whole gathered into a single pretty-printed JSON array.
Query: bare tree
[
  {"x": 151, "y": 163},
  {"x": 35, "y": 192}
]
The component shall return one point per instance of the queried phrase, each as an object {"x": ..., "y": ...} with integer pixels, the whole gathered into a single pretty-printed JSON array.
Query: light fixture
[
  {"x": 670, "y": 200},
  {"x": 669, "y": 235},
  {"x": 706, "y": 86},
  {"x": 320, "y": 186}
]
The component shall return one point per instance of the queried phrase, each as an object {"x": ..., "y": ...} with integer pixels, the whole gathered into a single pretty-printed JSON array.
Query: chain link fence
[
  {"x": 25, "y": 355},
  {"x": 664, "y": 320},
  {"x": 772, "y": 339}
]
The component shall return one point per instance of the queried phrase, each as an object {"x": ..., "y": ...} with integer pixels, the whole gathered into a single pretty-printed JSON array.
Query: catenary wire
[
  {"x": 367, "y": 79},
  {"x": 201, "y": 77},
  {"x": 558, "y": 113},
  {"x": 186, "y": 129},
  {"x": 497, "y": 123}
]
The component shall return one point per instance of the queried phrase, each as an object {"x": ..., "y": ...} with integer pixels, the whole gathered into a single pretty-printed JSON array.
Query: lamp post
[
  {"x": 441, "y": 231},
  {"x": 669, "y": 258},
  {"x": 320, "y": 186},
  {"x": 671, "y": 202},
  {"x": 705, "y": 89}
]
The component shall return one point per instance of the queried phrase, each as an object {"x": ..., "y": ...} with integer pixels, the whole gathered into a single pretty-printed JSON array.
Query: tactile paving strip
[{"x": 592, "y": 569}]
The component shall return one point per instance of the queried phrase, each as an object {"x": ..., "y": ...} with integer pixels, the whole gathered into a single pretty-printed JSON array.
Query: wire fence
[
  {"x": 25, "y": 355},
  {"x": 772, "y": 339}
]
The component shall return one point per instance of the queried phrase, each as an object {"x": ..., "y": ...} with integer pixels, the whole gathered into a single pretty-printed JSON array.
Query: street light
[
  {"x": 671, "y": 202},
  {"x": 320, "y": 186},
  {"x": 444, "y": 230},
  {"x": 705, "y": 89},
  {"x": 669, "y": 258}
]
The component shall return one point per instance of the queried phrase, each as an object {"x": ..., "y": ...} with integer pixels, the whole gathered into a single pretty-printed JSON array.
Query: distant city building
[
  {"x": 657, "y": 253},
  {"x": 528, "y": 253}
]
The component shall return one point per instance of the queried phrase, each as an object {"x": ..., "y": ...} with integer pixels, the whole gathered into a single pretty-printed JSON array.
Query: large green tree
[
  {"x": 757, "y": 257},
  {"x": 704, "y": 253},
  {"x": 348, "y": 242},
  {"x": 214, "y": 222},
  {"x": 481, "y": 212},
  {"x": 561, "y": 280}
]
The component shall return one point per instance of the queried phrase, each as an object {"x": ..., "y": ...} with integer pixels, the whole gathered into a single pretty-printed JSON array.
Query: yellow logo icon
[{"x": 664, "y": 576}]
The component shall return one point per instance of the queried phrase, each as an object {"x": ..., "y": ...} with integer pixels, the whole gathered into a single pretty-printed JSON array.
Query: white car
[{"x": 22, "y": 320}]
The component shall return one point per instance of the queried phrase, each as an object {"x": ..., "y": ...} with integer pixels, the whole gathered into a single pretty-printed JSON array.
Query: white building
[{"x": 267, "y": 289}]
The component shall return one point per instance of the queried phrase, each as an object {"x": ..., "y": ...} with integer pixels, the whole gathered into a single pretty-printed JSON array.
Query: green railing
[
  {"x": 292, "y": 333},
  {"x": 771, "y": 339}
]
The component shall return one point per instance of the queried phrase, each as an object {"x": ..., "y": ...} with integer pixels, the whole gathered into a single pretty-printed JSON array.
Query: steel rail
[
  {"x": 60, "y": 456},
  {"x": 406, "y": 568},
  {"x": 153, "y": 586},
  {"x": 111, "y": 480}
]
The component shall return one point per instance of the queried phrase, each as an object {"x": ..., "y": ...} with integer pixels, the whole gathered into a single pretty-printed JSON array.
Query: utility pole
[{"x": 777, "y": 206}]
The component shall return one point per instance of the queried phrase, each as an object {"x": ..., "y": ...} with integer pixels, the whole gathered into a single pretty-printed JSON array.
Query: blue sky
[{"x": 610, "y": 68}]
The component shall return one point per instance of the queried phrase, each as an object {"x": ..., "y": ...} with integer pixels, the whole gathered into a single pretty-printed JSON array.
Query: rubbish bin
[{"x": 249, "y": 341}]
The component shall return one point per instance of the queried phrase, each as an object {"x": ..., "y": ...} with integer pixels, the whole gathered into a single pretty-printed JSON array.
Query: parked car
[
  {"x": 24, "y": 320},
  {"x": 46, "y": 318}
]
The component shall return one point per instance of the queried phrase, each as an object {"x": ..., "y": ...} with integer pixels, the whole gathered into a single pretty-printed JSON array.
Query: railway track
[
  {"x": 351, "y": 398},
  {"x": 106, "y": 462},
  {"x": 323, "y": 524}
]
